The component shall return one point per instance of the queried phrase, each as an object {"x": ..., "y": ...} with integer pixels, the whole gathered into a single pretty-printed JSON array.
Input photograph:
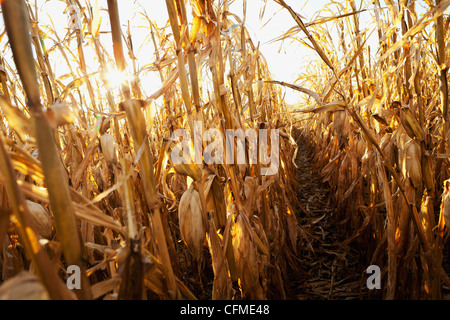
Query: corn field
[{"x": 87, "y": 179}]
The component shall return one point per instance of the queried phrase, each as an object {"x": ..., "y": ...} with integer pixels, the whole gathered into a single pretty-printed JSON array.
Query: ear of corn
[
  {"x": 24, "y": 286},
  {"x": 40, "y": 220},
  {"x": 190, "y": 217}
]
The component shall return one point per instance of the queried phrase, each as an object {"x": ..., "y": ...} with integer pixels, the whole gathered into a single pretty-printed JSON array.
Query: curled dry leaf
[
  {"x": 191, "y": 170},
  {"x": 250, "y": 184},
  {"x": 222, "y": 284},
  {"x": 16, "y": 119},
  {"x": 215, "y": 200},
  {"x": 245, "y": 253},
  {"x": 368, "y": 162}
]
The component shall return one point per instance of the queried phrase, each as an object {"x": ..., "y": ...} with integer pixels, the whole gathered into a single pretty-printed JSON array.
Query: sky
[{"x": 285, "y": 60}]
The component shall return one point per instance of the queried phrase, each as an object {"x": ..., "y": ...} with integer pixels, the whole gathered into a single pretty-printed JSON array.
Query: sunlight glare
[{"x": 115, "y": 78}]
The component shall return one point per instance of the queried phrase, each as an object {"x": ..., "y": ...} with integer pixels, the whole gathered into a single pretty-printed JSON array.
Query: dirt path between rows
[{"x": 329, "y": 270}]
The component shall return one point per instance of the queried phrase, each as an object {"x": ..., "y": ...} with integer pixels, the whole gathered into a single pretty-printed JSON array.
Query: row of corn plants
[
  {"x": 377, "y": 123},
  {"x": 86, "y": 176}
]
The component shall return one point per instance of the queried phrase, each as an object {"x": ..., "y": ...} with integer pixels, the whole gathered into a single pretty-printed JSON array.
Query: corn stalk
[{"x": 60, "y": 201}]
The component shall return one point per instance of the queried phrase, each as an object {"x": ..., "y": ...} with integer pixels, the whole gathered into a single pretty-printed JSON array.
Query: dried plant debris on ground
[{"x": 331, "y": 268}]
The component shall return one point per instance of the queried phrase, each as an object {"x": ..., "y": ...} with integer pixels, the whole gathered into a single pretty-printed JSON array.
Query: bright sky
[{"x": 285, "y": 61}]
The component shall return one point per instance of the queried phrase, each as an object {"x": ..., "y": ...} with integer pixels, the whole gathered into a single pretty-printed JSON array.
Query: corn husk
[
  {"x": 427, "y": 171},
  {"x": 341, "y": 124},
  {"x": 445, "y": 206},
  {"x": 24, "y": 286},
  {"x": 361, "y": 148},
  {"x": 40, "y": 219},
  {"x": 193, "y": 229},
  {"x": 411, "y": 125},
  {"x": 59, "y": 114},
  {"x": 387, "y": 144},
  {"x": 412, "y": 167},
  {"x": 109, "y": 148}
]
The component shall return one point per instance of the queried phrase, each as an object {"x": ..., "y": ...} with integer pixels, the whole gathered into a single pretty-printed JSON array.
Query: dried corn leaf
[{"x": 215, "y": 200}]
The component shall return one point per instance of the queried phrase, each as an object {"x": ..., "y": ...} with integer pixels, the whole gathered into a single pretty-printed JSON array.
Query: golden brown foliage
[{"x": 97, "y": 158}]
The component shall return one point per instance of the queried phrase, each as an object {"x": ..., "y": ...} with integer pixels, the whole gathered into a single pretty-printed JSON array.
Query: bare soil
[{"x": 330, "y": 267}]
